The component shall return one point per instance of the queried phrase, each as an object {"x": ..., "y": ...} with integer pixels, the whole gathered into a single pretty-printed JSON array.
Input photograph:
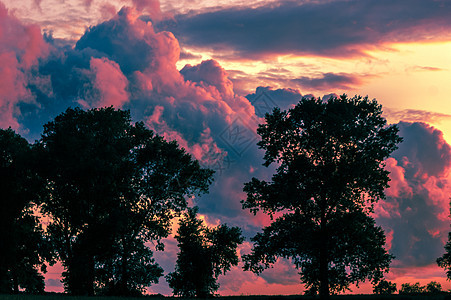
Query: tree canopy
[
  {"x": 23, "y": 246},
  {"x": 330, "y": 157},
  {"x": 205, "y": 253},
  {"x": 445, "y": 260},
  {"x": 384, "y": 287},
  {"x": 112, "y": 187}
]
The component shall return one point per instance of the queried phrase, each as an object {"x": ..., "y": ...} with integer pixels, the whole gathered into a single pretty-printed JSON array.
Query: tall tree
[
  {"x": 445, "y": 260},
  {"x": 205, "y": 253},
  {"x": 330, "y": 157},
  {"x": 112, "y": 187},
  {"x": 23, "y": 247}
]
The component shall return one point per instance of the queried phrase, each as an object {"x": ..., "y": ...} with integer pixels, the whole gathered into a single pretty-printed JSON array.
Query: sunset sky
[{"x": 204, "y": 73}]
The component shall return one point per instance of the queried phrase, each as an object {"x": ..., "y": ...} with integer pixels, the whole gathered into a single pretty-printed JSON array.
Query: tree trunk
[
  {"x": 324, "y": 265},
  {"x": 123, "y": 284},
  {"x": 15, "y": 283},
  {"x": 81, "y": 275},
  {"x": 4, "y": 278}
]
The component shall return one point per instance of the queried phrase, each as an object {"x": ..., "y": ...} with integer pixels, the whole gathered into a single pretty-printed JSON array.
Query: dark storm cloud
[{"x": 331, "y": 28}]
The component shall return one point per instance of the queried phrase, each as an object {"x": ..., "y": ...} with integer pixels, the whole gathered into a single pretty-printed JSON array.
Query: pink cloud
[
  {"x": 210, "y": 73},
  {"x": 152, "y": 7},
  {"x": 398, "y": 182},
  {"x": 20, "y": 47},
  {"x": 415, "y": 213},
  {"x": 87, "y": 3},
  {"x": 439, "y": 190},
  {"x": 110, "y": 82},
  {"x": 12, "y": 89},
  {"x": 107, "y": 11},
  {"x": 389, "y": 239}
]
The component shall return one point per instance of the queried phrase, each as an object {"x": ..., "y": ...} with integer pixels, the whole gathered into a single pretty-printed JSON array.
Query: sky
[{"x": 204, "y": 73}]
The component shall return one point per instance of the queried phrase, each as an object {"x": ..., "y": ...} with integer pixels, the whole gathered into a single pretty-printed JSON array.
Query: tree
[
  {"x": 384, "y": 287},
  {"x": 445, "y": 260},
  {"x": 23, "y": 247},
  {"x": 433, "y": 287},
  {"x": 112, "y": 187},
  {"x": 411, "y": 289},
  {"x": 205, "y": 253},
  {"x": 330, "y": 157}
]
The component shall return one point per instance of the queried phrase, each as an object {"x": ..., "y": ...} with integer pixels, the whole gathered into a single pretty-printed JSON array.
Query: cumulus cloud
[
  {"x": 323, "y": 28},
  {"x": 415, "y": 213},
  {"x": 109, "y": 83},
  {"x": 20, "y": 47},
  {"x": 265, "y": 99}
]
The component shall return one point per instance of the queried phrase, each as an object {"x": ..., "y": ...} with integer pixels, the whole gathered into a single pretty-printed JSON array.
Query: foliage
[
  {"x": 205, "y": 253},
  {"x": 144, "y": 271},
  {"x": 23, "y": 247},
  {"x": 445, "y": 260},
  {"x": 112, "y": 187},
  {"x": 433, "y": 287},
  {"x": 411, "y": 289},
  {"x": 330, "y": 157},
  {"x": 384, "y": 287}
]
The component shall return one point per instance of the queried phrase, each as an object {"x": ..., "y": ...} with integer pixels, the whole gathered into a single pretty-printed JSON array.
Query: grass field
[{"x": 294, "y": 297}]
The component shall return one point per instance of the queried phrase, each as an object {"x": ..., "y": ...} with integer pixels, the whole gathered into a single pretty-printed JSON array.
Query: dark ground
[{"x": 294, "y": 297}]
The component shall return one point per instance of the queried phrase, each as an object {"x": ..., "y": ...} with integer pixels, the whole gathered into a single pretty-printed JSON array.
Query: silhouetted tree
[
  {"x": 23, "y": 247},
  {"x": 433, "y": 287},
  {"x": 205, "y": 253},
  {"x": 411, "y": 289},
  {"x": 112, "y": 187},
  {"x": 445, "y": 260},
  {"x": 384, "y": 287},
  {"x": 330, "y": 157}
]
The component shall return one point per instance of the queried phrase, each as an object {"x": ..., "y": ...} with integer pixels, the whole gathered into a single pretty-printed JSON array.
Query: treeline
[
  {"x": 107, "y": 188},
  {"x": 385, "y": 287}
]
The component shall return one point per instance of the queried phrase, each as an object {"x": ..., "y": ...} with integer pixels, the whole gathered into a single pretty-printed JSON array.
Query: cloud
[
  {"x": 280, "y": 77},
  {"x": 424, "y": 152},
  {"x": 329, "y": 81},
  {"x": 20, "y": 47},
  {"x": 425, "y": 68},
  {"x": 265, "y": 99},
  {"x": 398, "y": 183},
  {"x": 123, "y": 62},
  {"x": 414, "y": 115},
  {"x": 53, "y": 283},
  {"x": 188, "y": 55},
  {"x": 109, "y": 82},
  {"x": 210, "y": 73},
  {"x": 321, "y": 28},
  {"x": 88, "y": 4},
  {"x": 415, "y": 213}
]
